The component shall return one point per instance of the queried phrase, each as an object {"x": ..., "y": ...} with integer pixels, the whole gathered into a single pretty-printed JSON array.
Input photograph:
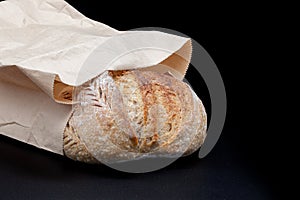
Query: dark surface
[
  {"x": 28, "y": 173},
  {"x": 239, "y": 167}
]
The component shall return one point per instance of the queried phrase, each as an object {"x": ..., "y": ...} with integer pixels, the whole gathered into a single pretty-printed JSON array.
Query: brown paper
[{"x": 46, "y": 47}]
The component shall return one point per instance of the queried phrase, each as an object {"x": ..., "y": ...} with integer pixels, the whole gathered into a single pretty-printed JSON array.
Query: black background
[{"x": 242, "y": 165}]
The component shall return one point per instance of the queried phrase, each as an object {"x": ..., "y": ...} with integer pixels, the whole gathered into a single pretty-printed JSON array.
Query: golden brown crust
[
  {"x": 158, "y": 107},
  {"x": 132, "y": 114}
]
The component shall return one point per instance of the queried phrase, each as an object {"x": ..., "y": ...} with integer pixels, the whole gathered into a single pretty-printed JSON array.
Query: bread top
[{"x": 131, "y": 114}]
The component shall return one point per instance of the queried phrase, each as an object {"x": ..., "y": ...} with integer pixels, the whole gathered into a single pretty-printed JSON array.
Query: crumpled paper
[{"x": 48, "y": 47}]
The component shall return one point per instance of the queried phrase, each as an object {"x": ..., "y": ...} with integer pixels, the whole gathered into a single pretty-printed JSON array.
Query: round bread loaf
[{"x": 133, "y": 114}]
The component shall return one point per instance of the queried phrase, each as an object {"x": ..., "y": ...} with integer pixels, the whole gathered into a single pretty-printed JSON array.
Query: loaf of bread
[{"x": 134, "y": 114}]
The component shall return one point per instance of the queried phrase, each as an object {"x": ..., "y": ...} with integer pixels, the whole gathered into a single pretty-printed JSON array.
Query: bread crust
[{"x": 131, "y": 114}]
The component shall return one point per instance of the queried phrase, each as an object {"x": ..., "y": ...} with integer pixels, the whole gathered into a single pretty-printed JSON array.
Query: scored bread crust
[
  {"x": 74, "y": 148},
  {"x": 131, "y": 114}
]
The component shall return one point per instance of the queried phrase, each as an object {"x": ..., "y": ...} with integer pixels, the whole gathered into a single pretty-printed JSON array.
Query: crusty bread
[
  {"x": 74, "y": 148},
  {"x": 131, "y": 114}
]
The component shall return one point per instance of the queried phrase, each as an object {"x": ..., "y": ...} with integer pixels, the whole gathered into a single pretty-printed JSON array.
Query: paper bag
[{"x": 46, "y": 47}]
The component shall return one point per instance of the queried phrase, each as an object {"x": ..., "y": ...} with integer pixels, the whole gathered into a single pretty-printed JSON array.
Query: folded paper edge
[{"x": 178, "y": 60}]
